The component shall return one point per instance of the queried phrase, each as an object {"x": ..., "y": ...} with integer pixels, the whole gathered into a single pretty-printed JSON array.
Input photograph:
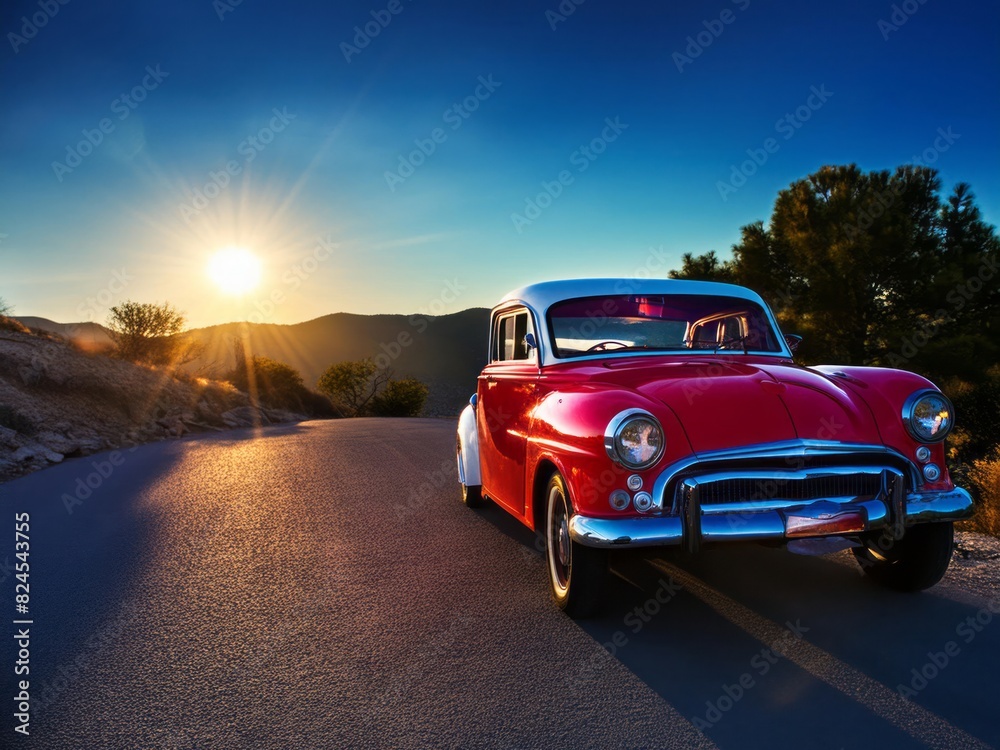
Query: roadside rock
[
  {"x": 58, "y": 442},
  {"x": 174, "y": 426},
  {"x": 34, "y": 451},
  {"x": 279, "y": 416},
  {"x": 245, "y": 416}
]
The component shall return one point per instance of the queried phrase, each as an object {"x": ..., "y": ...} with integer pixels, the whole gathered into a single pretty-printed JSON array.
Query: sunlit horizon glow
[
  {"x": 235, "y": 270},
  {"x": 464, "y": 152}
]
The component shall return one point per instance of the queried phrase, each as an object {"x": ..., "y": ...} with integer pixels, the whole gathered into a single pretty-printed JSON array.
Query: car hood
[{"x": 725, "y": 402}]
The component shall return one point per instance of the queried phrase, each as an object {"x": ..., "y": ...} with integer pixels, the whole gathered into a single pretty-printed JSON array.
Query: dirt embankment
[{"x": 58, "y": 402}]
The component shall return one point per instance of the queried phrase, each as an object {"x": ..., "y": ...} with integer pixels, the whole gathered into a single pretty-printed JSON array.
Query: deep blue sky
[{"x": 449, "y": 225}]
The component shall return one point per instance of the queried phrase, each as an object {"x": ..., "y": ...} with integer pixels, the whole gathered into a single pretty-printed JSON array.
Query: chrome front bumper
[{"x": 691, "y": 526}]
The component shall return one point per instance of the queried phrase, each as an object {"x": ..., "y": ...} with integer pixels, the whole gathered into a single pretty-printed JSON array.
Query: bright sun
[{"x": 235, "y": 269}]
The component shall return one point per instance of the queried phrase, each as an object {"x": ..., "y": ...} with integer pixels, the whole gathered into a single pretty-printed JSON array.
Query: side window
[
  {"x": 732, "y": 329},
  {"x": 705, "y": 336},
  {"x": 508, "y": 338}
]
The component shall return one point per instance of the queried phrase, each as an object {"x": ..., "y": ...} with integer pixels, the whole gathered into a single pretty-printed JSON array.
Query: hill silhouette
[
  {"x": 88, "y": 336},
  {"x": 446, "y": 352}
]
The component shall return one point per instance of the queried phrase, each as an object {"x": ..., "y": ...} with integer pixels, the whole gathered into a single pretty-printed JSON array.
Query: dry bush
[
  {"x": 985, "y": 479},
  {"x": 10, "y": 324}
]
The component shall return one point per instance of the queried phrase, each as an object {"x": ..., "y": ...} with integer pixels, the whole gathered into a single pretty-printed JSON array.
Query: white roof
[{"x": 541, "y": 296}]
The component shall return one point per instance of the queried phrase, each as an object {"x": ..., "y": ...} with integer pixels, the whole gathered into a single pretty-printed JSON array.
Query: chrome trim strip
[
  {"x": 783, "y": 449},
  {"x": 948, "y": 505},
  {"x": 631, "y": 532},
  {"x": 776, "y": 475},
  {"x": 664, "y": 531}
]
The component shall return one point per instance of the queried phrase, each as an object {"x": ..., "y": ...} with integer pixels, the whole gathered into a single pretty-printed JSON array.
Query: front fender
[
  {"x": 468, "y": 448},
  {"x": 567, "y": 431}
]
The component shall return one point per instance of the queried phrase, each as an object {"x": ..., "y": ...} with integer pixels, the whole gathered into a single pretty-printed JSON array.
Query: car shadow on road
[
  {"x": 786, "y": 644},
  {"x": 760, "y": 647}
]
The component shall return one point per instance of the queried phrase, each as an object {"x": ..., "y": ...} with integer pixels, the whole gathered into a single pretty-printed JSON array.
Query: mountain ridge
[{"x": 444, "y": 351}]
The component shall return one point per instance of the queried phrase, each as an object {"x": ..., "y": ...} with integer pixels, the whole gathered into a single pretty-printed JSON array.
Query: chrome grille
[{"x": 738, "y": 490}]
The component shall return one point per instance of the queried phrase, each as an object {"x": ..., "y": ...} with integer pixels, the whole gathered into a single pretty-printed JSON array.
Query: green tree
[
  {"x": 874, "y": 268},
  {"x": 146, "y": 332},
  {"x": 275, "y": 384},
  {"x": 278, "y": 385},
  {"x": 857, "y": 261},
  {"x": 401, "y": 398},
  {"x": 352, "y": 385},
  {"x": 5, "y": 309},
  {"x": 705, "y": 267},
  {"x": 361, "y": 388}
]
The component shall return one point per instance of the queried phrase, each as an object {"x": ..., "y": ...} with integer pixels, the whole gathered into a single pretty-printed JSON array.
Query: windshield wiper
[{"x": 741, "y": 340}]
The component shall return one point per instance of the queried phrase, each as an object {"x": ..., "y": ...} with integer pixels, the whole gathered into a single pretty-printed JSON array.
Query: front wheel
[
  {"x": 914, "y": 562},
  {"x": 577, "y": 574},
  {"x": 472, "y": 495}
]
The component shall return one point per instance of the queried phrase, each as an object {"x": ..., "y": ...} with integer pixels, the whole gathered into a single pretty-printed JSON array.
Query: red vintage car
[{"x": 617, "y": 413}]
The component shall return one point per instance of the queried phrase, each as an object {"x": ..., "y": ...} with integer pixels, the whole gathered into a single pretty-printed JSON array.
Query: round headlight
[
  {"x": 928, "y": 416},
  {"x": 634, "y": 439}
]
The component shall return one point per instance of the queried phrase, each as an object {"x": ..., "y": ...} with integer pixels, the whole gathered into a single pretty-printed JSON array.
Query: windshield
[{"x": 650, "y": 322}]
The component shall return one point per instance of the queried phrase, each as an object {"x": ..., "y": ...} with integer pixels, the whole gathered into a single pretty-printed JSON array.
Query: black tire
[
  {"x": 913, "y": 563},
  {"x": 472, "y": 495},
  {"x": 577, "y": 574}
]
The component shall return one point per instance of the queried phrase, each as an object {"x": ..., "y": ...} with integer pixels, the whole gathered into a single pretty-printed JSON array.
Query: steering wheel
[{"x": 603, "y": 346}]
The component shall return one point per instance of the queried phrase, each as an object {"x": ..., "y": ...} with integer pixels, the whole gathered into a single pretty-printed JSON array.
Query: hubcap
[
  {"x": 559, "y": 544},
  {"x": 564, "y": 542}
]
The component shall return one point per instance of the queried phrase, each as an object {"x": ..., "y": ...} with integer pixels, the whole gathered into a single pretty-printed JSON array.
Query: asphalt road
[{"x": 321, "y": 586}]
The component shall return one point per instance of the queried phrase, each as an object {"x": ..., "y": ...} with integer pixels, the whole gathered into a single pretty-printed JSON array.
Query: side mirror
[
  {"x": 793, "y": 341},
  {"x": 529, "y": 342}
]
